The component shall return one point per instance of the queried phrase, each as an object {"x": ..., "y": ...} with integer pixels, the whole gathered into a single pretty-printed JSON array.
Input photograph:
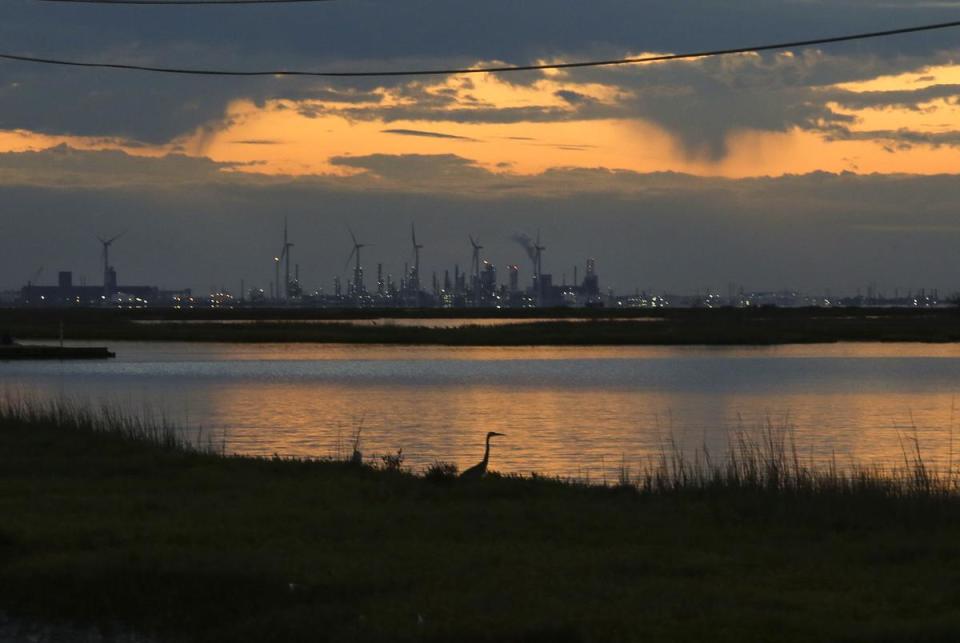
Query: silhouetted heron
[{"x": 480, "y": 469}]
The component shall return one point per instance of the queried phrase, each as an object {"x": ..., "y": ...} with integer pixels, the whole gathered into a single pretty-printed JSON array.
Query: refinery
[{"x": 478, "y": 284}]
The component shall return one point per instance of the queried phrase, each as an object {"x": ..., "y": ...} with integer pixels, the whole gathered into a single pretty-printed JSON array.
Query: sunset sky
[{"x": 821, "y": 168}]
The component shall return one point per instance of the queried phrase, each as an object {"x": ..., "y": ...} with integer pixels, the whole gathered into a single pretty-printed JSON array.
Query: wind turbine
[
  {"x": 276, "y": 279},
  {"x": 106, "y": 262},
  {"x": 285, "y": 254},
  {"x": 416, "y": 259},
  {"x": 475, "y": 266},
  {"x": 35, "y": 277},
  {"x": 357, "y": 271},
  {"x": 539, "y": 267}
]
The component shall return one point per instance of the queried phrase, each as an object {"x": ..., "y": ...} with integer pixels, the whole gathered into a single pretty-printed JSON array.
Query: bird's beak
[{"x": 502, "y": 435}]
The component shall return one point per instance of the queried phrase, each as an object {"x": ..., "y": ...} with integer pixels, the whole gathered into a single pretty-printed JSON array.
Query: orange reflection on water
[
  {"x": 571, "y": 411},
  {"x": 580, "y": 428},
  {"x": 856, "y": 428},
  {"x": 546, "y": 430},
  {"x": 313, "y": 351}
]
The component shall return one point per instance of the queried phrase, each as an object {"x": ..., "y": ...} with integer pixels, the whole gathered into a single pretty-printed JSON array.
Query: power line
[
  {"x": 182, "y": 2},
  {"x": 487, "y": 70}
]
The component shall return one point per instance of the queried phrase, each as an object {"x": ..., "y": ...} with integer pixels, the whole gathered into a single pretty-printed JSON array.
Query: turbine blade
[
  {"x": 347, "y": 263},
  {"x": 352, "y": 236}
]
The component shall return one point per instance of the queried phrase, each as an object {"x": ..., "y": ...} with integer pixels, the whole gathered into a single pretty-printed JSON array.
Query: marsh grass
[
  {"x": 441, "y": 472},
  {"x": 123, "y": 522},
  {"x": 61, "y": 413},
  {"x": 766, "y": 459}
]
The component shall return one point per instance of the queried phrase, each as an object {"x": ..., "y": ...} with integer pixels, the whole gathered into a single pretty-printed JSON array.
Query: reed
[
  {"x": 768, "y": 460},
  {"x": 121, "y": 524},
  {"x": 763, "y": 460},
  {"x": 61, "y": 413}
]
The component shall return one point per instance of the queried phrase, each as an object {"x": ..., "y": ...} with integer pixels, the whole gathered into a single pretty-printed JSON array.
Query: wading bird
[{"x": 480, "y": 469}]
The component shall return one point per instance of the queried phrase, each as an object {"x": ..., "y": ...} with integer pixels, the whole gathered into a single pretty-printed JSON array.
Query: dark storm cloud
[
  {"x": 257, "y": 141},
  {"x": 64, "y": 166},
  {"x": 700, "y": 101},
  {"x": 903, "y": 99},
  {"x": 897, "y": 140},
  {"x": 382, "y": 33},
  {"x": 572, "y": 97},
  {"x": 423, "y": 134},
  {"x": 419, "y": 171}
]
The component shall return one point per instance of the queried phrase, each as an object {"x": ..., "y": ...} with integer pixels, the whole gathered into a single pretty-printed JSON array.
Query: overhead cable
[
  {"x": 496, "y": 69},
  {"x": 182, "y": 2}
]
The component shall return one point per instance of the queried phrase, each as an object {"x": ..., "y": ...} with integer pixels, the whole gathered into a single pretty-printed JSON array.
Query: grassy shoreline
[
  {"x": 118, "y": 523},
  {"x": 661, "y": 327}
]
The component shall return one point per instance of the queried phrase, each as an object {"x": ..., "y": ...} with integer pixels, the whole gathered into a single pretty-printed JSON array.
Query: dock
[{"x": 19, "y": 352}]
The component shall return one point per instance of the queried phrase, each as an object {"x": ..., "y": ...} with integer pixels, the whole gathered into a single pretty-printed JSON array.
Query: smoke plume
[{"x": 527, "y": 243}]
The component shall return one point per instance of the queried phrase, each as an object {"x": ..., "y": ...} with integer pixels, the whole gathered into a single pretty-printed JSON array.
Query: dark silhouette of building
[{"x": 66, "y": 293}]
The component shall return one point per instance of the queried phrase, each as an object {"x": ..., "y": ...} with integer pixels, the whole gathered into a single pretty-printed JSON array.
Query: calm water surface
[{"x": 567, "y": 411}]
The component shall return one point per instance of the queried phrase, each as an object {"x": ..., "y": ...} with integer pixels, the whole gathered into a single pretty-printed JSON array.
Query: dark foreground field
[
  {"x": 566, "y": 326},
  {"x": 128, "y": 535}
]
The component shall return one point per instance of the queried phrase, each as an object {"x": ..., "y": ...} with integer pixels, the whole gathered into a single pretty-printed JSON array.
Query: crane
[{"x": 480, "y": 469}]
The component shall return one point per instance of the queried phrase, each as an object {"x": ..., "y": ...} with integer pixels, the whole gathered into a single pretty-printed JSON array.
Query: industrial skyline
[
  {"x": 822, "y": 167},
  {"x": 270, "y": 270},
  {"x": 478, "y": 284}
]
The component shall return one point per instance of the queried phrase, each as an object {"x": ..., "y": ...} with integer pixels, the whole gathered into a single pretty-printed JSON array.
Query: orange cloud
[
  {"x": 308, "y": 143},
  {"x": 300, "y": 137}
]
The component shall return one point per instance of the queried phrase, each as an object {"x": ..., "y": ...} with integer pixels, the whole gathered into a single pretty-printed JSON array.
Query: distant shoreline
[
  {"x": 35, "y": 352},
  {"x": 564, "y": 327}
]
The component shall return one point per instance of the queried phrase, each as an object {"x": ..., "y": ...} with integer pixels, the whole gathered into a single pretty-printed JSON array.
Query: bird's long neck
[{"x": 486, "y": 453}]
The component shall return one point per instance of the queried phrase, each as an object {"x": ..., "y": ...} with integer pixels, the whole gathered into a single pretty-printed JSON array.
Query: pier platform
[{"x": 18, "y": 352}]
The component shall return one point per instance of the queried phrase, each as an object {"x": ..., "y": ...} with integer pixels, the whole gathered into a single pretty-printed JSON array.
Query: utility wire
[
  {"x": 487, "y": 70},
  {"x": 182, "y": 2}
]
